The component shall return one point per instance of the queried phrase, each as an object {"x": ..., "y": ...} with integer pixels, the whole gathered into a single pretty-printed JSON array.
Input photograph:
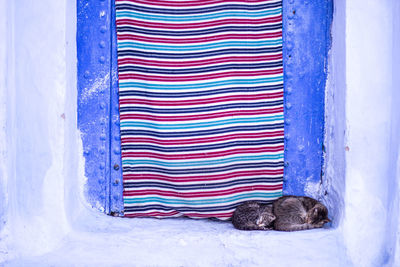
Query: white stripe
[
  {"x": 207, "y": 174},
  {"x": 206, "y": 177},
  {"x": 144, "y": 127},
  {"x": 198, "y": 35},
  {"x": 211, "y": 136},
  {"x": 208, "y": 143},
  {"x": 197, "y": 6},
  {"x": 207, "y": 150},
  {"x": 203, "y": 50},
  {"x": 192, "y": 18},
  {"x": 223, "y": 79},
  {"x": 145, "y": 86},
  {"x": 209, "y": 182},
  {"x": 210, "y": 120},
  {"x": 182, "y": 106},
  {"x": 276, "y": 153},
  {"x": 204, "y": 43},
  {"x": 189, "y": 75},
  {"x": 173, "y": 60},
  {"x": 222, "y": 94},
  {"x": 217, "y": 34}
]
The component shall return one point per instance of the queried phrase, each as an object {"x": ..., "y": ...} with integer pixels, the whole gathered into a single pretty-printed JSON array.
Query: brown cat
[
  {"x": 251, "y": 215},
  {"x": 295, "y": 213}
]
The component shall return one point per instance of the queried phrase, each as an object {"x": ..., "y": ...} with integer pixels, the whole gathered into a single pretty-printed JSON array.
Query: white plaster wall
[
  {"x": 38, "y": 122},
  {"x": 371, "y": 119},
  {"x": 3, "y": 75},
  {"x": 41, "y": 170},
  {"x": 394, "y": 167},
  {"x": 4, "y": 80}
]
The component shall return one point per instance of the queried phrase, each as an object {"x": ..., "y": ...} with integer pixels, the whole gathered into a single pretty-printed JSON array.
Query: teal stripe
[
  {"x": 185, "y": 47},
  {"x": 202, "y": 162},
  {"x": 198, "y": 17},
  {"x": 183, "y": 126},
  {"x": 235, "y": 82},
  {"x": 196, "y": 202}
]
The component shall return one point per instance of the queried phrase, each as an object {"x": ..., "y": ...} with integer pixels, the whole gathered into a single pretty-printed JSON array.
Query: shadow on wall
[
  {"x": 393, "y": 225},
  {"x": 3, "y": 201},
  {"x": 333, "y": 179}
]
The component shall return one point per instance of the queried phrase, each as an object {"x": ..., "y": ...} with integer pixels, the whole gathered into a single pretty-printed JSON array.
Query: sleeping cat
[
  {"x": 295, "y": 213},
  {"x": 253, "y": 216}
]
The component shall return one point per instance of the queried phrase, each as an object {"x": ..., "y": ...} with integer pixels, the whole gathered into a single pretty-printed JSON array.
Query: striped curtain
[{"x": 201, "y": 105}]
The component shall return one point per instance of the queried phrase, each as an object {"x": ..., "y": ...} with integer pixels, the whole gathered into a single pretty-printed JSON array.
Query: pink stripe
[
  {"x": 202, "y": 194},
  {"x": 188, "y": 3},
  {"x": 206, "y": 155},
  {"x": 199, "y": 116},
  {"x": 159, "y": 63},
  {"x": 125, "y": 140},
  {"x": 205, "y": 178},
  {"x": 122, "y": 37},
  {"x": 222, "y": 216},
  {"x": 151, "y": 214},
  {"x": 199, "y": 77},
  {"x": 133, "y": 101},
  {"x": 199, "y": 24}
]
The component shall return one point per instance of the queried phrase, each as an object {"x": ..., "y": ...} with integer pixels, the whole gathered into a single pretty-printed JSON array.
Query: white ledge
[{"x": 111, "y": 241}]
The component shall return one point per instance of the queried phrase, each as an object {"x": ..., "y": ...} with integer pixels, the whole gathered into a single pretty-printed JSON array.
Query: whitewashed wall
[
  {"x": 3, "y": 75},
  {"x": 41, "y": 172},
  {"x": 372, "y": 130},
  {"x": 394, "y": 161},
  {"x": 38, "y": 137}
]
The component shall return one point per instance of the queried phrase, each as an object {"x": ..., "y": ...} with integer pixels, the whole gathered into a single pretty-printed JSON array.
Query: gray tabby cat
[
  {"x": 253, "y": 216},
  {"x": 295, "y": 213}
]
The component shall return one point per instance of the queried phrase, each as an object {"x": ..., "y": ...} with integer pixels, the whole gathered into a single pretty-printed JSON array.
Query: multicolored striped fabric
[{"x": 201, "y": 105}]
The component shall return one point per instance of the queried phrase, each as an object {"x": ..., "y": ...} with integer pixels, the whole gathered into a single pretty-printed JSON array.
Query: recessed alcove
[
  {"x": 47, "y": 219},
  {"x": 306, "y": 41}
]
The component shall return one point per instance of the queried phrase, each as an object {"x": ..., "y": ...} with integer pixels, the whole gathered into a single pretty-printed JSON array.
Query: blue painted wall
[
  {"x": 306, "y": 38},
  {"x": 306, "y": 44},
  {"x": 98, "y": 114}
]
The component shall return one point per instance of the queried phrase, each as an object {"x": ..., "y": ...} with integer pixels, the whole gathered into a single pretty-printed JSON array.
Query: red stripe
[
  {"x": 256, "y": 36},
  {"x": 204, "y": 155},
  {"x": 220, "y": 215},
  {"x": 199, "y": 77},
  {"x": 188, "y": 3},
  {"x": 156, "y": 25},
  {"x": 205, "y": 178},
  {"x": 199, "y": 116},
  {"x": 200, "y": 140},
  {"x": 220, "y": 99},
  {"x": 203, "y": 194},
  {"x": 193, "y": 63},
  {"x": 151, "y": 214}
]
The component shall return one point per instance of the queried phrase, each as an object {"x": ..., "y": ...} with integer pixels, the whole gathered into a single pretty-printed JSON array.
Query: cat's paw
[{"x": 319, "y": 224}]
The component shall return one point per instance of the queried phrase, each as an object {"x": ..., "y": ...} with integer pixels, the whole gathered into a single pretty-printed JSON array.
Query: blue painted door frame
[
  {"x": 98, "y": 112},
  {"x": 306, "y": 36},
  {"x": 306, "y": 42}
]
